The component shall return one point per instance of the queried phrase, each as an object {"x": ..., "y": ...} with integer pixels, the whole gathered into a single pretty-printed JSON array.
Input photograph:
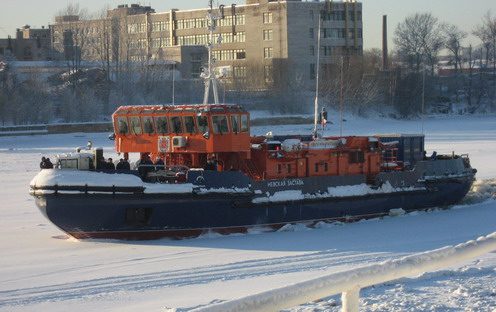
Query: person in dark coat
[
  {"x": 159, "y": 164},
  {"x": 145, "y": 165},
  {"x": 126, "y": 165},
  {"x": 323, "y": 118},
  {"x": 110, "y": 164},
  {"x": 120, "y": 164},
  {"x": 48, "y": 164},
  {"x": 43, "y": 163}
]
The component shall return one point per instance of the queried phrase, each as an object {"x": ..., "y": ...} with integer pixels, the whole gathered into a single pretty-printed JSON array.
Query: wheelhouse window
[
  {"x": 189, "y": 124},
  {"x": 356, "y": 157},
  {"x": 244, "y": 123},
  {"x": 148, "y": 125},
  {"x": 176, "y": 124},
  {"x": 219, "y": 123},
  {"x": 162, "y": 125},
  {"x": 122, "y": 126},
  {"x": 202, "y": 122},
  {"x": 136, "y": 125},
  {"x": 235, "y": 123}
]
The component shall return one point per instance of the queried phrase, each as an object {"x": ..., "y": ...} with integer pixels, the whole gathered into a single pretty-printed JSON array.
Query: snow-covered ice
[{"x": 42, "y": 270}]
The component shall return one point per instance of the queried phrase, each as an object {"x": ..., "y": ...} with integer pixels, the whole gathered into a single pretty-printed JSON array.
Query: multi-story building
[
  {"x": 30, "y": 44},
  {"x": 262, "y": 41}
]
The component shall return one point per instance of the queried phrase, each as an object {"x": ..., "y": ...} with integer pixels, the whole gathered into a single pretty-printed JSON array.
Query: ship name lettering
[{"x": 293, "y": 182}]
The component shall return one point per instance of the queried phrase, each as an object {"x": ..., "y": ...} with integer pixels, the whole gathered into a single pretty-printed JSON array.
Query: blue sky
[{"x": 464, "y": 13}]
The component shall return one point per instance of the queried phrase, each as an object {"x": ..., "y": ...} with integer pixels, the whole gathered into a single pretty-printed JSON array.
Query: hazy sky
[{"x": 464, "y": 13}]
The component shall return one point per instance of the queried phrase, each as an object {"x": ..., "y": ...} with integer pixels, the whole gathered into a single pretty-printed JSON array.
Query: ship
[{"x": 200, "y": 170}]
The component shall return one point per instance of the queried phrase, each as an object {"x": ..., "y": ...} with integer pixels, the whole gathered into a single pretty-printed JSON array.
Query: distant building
[
  {"x": 30, "y": 44},
  {"x": 263, "y": 41}
]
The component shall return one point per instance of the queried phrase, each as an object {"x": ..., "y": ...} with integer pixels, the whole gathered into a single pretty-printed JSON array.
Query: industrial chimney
[{"x": 384, "y": 44}]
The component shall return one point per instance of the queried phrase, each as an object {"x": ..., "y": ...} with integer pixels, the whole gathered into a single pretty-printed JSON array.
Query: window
[
  {"x": 279, "y": 168},
  {"x": 356, "y": 157},
  {"x": 312, "y": 50},
  {"x": 239, "y": 71},
  {"x": 176, "y": 123},
  {"x": 122, "y": 125},
  {"x": 289, "y": 168},
  {"x": 235, "y": 123},
  {"x": 135, "y": 125},
  {"x": 326, "y": 167},
  {"x": 162, "y": 125},
  {"x": 267, "y": 18},
  {"x": 189, "y": 124},
  {"x": 326, "y": 50},
  {"x": 202, "y": 122},
  {"x": 268, "y": 52},
  {"x": 148, "y": 125},
  {"x": 311, "y": 33},
  {"x": 244, "y": 123},
  {"x": 267, "y": 34},
  {"x": 227, "y": 55},
  {"x": 316, "y": 167},
  {"x": 219, "y": 123}
]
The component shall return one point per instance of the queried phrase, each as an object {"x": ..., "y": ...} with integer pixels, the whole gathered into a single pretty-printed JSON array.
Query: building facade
[
  {"x": 261, "y": 42},
  {"x": 30, "y": 44}
]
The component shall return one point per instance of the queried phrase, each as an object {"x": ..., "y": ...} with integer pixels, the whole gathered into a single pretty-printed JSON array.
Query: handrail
[{"x": 350, "y": 282}]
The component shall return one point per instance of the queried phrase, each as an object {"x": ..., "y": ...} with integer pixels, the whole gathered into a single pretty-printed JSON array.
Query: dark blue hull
[{"x": 150, "y": 216}]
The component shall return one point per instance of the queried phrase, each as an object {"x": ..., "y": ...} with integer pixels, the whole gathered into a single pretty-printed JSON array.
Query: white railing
[{"x": 350, "y": 282}]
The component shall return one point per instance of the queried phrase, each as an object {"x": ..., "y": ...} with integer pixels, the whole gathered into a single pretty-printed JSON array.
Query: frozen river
[{"x": 42, "y": 270}]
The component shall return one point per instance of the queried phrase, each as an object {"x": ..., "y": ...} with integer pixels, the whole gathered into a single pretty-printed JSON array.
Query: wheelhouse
[{"x": 184, "y": 134}]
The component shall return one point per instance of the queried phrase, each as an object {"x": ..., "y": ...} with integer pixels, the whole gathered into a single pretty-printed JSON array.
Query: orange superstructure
[
  {"x": 189, "y": 135},
  {"x": 184, "y": 134}
]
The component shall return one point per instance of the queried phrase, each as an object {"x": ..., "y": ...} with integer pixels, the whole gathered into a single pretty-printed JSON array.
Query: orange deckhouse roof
[{"x": 218, "y": 108}]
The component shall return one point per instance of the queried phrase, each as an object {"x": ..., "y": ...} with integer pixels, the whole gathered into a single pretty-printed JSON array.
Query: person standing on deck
[{"x": 323, "y": 118}]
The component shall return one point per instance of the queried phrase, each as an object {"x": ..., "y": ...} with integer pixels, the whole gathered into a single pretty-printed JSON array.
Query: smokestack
[{"x": 384, "y": 44}]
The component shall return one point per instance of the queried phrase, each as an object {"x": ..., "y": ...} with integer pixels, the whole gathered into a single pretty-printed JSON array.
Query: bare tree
[
  {"x": 75, "y": 35},
  {"x": 453, "y": 41},
  {"x": 419, "y": 40},
  {"x": 487, "y": 34}
]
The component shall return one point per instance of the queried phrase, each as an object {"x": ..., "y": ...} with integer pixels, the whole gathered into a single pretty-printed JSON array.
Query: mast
[
  {"x": 316, "y": 103},
  {"x": 208, "y": 73}
]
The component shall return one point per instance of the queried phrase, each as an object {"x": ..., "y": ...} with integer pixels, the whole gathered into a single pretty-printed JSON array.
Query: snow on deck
[
  {"x": 337, "y": 191},
  {"x": 52, "y": 177}
]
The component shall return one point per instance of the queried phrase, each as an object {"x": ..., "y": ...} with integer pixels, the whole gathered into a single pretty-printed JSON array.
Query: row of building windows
[
  {"x": 336, "y": 33},
  {"x": 340, "y": 15},
  {"x": 137, "y": 44},
  {"x": 160, "y": 42},
  {"x": 160, "y": 26},
  {"x": 191, "y": 23},
  {"x": 228, "y": 20},
  {"x": 204, "y": 38},
  {"x": 136, "y": 28},
  {"x": 227, "y": 55}
]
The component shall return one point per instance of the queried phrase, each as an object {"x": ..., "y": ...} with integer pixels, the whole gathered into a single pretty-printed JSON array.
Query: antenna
[
  {"x": 423, "y": 99},
  {"x": 208, "y": 73},
  {"x": 173, "y": 83},
  {"x": 316, "y": 103},
  {"x": 341, "y": 98}
]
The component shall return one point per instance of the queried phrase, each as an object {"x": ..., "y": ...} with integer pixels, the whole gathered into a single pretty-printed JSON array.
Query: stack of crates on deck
[{"x": 410, "y": 146}]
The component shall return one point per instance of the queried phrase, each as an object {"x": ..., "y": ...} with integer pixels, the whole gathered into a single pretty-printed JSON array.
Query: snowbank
[{"x": 349, "y": 282}]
